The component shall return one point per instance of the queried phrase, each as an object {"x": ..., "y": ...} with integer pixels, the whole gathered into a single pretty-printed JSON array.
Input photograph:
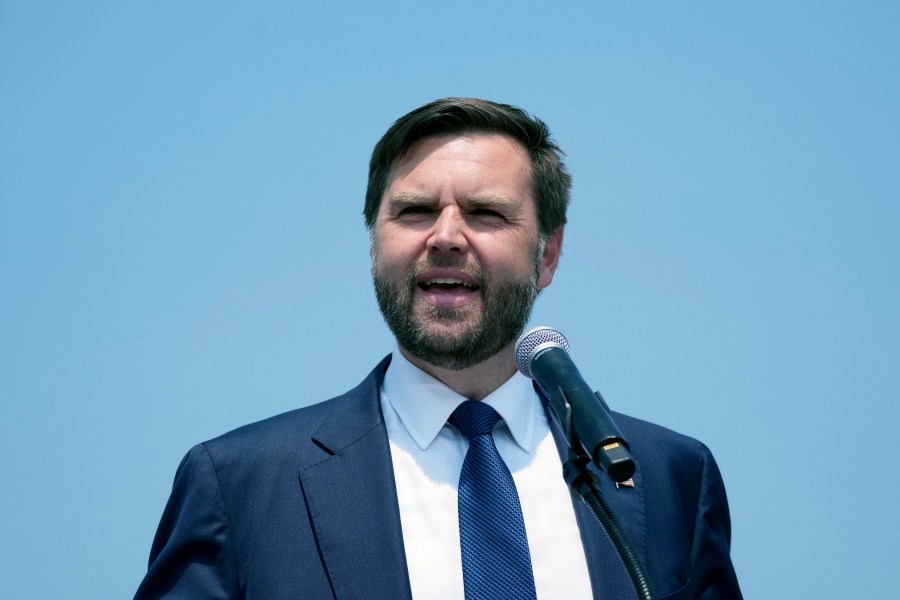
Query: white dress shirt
[{"x": 427, "y": 455}]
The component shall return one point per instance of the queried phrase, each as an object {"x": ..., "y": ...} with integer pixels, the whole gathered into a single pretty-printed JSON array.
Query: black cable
[{"x": 584, "y": 486}]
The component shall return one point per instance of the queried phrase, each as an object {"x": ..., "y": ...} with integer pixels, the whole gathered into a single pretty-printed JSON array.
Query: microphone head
[{"x": 532, "y": 342}]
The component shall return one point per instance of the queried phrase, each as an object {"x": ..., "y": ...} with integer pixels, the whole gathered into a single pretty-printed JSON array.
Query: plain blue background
[{"x": 182, "y": 249}]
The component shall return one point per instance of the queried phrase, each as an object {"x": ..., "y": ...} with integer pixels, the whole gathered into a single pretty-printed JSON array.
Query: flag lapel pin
[{"x": 627, "y": 483}]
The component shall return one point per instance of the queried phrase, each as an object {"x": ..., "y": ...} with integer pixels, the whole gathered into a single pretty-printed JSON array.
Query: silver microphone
[{"x": 542, "y": 353}]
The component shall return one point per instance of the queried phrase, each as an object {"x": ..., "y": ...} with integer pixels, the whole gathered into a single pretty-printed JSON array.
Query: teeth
[{"x": 448, "y": 281}]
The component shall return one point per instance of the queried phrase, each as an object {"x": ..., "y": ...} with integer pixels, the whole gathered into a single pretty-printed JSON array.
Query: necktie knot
[{"x": 474, "y": 418}]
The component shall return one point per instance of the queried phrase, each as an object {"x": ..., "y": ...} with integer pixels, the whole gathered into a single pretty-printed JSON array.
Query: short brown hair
[{"x": 550, "y": 182}]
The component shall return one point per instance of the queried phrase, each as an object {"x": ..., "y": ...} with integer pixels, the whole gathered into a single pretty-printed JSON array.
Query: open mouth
[
  {"x": 448, "y": 292},
  {"x": 447, "y": 284}
]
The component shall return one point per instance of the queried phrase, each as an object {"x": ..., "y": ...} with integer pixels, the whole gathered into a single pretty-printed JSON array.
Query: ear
[{"x": 552, "y": 252}]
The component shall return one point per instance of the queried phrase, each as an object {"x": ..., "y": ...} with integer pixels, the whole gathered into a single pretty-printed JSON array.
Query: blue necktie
[{"x": 495, "y": 557}]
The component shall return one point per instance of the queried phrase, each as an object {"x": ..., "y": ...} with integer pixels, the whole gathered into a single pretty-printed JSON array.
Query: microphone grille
[{"x": 532, "y": 339}]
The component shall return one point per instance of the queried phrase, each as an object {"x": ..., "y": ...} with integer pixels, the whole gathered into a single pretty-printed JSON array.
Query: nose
[{"x": 448, "y": 234}]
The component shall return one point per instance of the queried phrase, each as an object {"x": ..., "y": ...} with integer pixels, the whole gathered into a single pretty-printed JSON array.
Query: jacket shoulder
[
  {"x": 651, "y": 441},
  {"x": 289, "y": 433}
]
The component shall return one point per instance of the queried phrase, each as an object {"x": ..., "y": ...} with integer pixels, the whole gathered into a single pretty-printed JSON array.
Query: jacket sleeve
[
  {"x": 192, "y": 554},
  {"x": 713, "y": 576}
]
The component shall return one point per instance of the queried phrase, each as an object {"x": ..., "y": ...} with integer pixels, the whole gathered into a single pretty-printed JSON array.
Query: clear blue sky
[{"x": 182, "y": 249}]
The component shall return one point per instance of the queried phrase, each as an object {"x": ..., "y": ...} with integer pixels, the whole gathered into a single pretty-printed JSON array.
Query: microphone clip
[{"x": 611, "y": 454}]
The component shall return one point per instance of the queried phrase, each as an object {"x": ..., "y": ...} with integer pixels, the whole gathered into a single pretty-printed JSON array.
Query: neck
[{"x": 474, "y": 382}]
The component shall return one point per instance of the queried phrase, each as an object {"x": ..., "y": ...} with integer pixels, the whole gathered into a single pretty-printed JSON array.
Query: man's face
[{"x": 456, "y": 259}]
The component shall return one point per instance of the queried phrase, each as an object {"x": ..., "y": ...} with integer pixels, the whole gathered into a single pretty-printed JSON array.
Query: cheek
[
  {"x": 390, "y": 258},
  {"x": 507, "y": 261}
]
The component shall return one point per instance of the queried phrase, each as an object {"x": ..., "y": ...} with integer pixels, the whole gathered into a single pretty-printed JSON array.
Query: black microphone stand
[{"x": 584, "y": 485}]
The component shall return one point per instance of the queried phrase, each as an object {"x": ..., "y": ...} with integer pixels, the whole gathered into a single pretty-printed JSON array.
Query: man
[{"x": 370, "y": 494}]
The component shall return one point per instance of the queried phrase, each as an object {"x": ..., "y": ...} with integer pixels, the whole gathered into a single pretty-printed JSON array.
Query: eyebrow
[
  {"x": 409, "y": 199},
  {"x": 492, "y": 202}
]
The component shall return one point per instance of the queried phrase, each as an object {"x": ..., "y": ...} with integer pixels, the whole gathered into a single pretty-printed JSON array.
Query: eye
[
  {"x": 413, "y": 210},
  {"x": 486, "y": 213}
]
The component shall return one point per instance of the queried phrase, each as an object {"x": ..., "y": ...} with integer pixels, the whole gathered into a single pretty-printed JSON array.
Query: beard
[{"x": 460, "y": 337}]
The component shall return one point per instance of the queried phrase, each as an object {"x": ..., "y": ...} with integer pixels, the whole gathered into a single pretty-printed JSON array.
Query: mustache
[{"x": 420, "y": 266}]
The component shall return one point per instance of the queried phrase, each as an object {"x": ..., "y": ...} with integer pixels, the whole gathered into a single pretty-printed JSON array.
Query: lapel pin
[{"x": 627, "y": 483}]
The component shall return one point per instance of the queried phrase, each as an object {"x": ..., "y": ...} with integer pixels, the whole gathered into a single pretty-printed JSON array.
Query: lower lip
[{"x": 448, "y": 298}]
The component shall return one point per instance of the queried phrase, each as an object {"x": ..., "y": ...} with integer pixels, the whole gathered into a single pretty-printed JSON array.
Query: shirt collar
[{"x": 424, "y": 404}]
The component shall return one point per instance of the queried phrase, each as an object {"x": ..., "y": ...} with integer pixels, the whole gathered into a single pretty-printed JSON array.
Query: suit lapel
[
  {"x": 609, "y": 578},
  {"x": 352, "y": 499}
]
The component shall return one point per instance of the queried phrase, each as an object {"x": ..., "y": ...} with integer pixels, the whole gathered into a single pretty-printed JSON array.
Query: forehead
[{"x": 465, "y": 159}]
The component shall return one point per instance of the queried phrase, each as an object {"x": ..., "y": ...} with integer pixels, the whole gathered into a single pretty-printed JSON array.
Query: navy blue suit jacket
[{"x": 304, "y": 505}]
